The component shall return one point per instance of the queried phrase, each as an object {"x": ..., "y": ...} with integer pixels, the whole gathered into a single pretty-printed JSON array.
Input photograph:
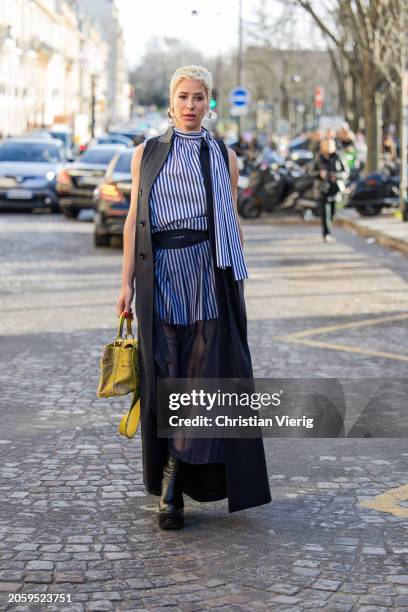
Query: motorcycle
[
  {"x": 274, "y": 187},
  {"x": 376, "y": 191}
]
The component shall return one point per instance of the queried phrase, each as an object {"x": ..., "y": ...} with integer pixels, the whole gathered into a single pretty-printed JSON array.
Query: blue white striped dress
[{"x": 184, "y": 278}]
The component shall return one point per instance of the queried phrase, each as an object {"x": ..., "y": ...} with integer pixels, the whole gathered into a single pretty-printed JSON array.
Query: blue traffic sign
[{"x": 239, "y": 97}]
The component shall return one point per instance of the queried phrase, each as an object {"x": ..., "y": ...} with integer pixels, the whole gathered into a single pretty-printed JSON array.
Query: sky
[{"x": 215, "y": 29}]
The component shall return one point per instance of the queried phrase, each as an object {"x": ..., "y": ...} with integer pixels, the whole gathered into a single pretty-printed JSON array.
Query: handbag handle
[{"x": 128, "y": 326}]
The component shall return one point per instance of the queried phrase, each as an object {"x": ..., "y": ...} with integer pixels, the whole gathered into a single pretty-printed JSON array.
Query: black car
[
  {"x": 28, "y": 170},
  {"x": 76, "y": 182},
  {"x": 112, "y": 199}
]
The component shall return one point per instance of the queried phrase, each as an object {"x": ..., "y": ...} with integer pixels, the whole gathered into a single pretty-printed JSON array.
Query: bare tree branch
[
  {"x": 368, "y": 31},
  {"x": 328, "y": 33}
]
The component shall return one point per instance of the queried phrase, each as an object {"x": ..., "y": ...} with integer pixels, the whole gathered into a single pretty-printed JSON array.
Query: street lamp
[
  {"x": 217, "y": 79},
  {"x": 294, "y": 103},
  {"x": 300, "y": 111},
  {"x": 12, "y": 51},
  {"x": 240, "y": 63},
  {"x": 240, "y": 60}
]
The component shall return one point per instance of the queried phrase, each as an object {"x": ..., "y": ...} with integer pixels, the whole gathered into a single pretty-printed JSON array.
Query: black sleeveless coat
[{"x": 243, "y": 478}]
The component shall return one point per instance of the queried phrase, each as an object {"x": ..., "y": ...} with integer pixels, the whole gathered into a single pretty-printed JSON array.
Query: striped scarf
[{"x": 228, "y": 244}]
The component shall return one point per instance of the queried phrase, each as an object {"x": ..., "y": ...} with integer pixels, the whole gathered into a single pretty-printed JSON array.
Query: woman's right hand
[{"x": 124, "y": 302}]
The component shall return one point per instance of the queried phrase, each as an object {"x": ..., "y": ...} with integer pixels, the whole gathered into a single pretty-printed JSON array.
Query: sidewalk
[{"x": 387, "y": 229}]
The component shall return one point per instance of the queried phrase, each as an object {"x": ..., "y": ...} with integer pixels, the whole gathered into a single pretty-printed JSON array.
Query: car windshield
[
  {"x": 98, "y": 156},
  {"x": 30, "y": 152},
  {"x": 123, "y": 163}
]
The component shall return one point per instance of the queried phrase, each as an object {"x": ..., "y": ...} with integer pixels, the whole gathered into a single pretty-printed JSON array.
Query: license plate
[{"x": 19, "y": 194}]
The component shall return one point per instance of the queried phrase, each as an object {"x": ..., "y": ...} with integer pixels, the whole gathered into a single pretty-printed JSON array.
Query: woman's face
[{"x": 190, "y": 105}]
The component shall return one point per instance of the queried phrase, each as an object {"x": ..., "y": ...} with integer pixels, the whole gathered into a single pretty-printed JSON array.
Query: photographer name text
[{"x": 252, "y": 421}]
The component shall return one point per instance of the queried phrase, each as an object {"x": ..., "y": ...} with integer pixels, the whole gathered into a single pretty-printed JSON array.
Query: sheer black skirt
[{"x": 189, "y": 351}]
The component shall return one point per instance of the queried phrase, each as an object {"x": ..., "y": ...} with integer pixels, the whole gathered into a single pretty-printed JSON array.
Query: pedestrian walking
[
  {"x": 332, "y": 173},
  {"x": 183, "y": 250}
]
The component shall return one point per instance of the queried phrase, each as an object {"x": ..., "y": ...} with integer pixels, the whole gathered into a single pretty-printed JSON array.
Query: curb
[
  {"x": 271, "y": 219},
  {"x": 381, "y": 238}
]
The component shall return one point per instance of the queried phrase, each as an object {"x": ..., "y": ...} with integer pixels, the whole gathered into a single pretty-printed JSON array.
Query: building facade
[
  {"x": 48, "y": 67},
  {"x": 105, "y": 13}
]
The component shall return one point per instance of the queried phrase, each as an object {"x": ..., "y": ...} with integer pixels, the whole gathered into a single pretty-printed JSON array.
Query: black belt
[{"x": 178, "y": 239}]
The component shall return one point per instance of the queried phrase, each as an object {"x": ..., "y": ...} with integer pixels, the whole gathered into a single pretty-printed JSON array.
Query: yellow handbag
[
  {"x": 130, "y": 421},
  {"x": 119, "y": 375}
]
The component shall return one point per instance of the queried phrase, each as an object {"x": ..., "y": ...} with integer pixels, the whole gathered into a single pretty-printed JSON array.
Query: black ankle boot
[{"x": 171, "y": 504}]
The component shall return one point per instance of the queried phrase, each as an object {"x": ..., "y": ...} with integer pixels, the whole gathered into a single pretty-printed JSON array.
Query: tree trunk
[
  {"x": 403, "y": 111},
  {"x": 403, "y": 147},
  {"x": 356, "y": 104},
  {"x": 284, "y": 110},
  {"x": 379, "y": 103},
  {"x": 371, "y": 126}
]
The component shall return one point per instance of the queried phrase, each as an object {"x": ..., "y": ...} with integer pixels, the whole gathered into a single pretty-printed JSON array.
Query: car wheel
[
  {"x": 369, "y": 211},
  {"x": 70, "y": 213},
  {"x": 101, "y": 240}
]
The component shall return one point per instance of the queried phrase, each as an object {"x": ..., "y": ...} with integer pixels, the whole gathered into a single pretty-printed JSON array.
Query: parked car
[
  {"x": 77, "y": 181},
  {"x": 67, "y": 139},
  {"x": 111, "y": 139},
  {"x": 136, "y": 135},
  {"x": 28, "y": 170},
  {"x": 64, "y": 136},
  {"x": 112, "y": 198}
]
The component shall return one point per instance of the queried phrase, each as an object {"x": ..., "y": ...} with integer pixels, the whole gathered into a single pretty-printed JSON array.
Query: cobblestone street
[{"x": 74, "y": 515}]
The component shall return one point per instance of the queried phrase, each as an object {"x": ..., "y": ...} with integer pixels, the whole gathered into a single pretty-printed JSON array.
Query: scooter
[
  {"x": 374, "y": 192},
  {"x": 275, "y": 190}
]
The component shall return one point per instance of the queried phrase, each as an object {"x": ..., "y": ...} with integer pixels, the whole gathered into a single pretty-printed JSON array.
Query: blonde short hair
[{"x": 198, "y": 73}]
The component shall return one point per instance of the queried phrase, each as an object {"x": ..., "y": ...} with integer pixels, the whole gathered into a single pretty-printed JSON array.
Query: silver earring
[
  {"x": 209, "y": 114},
  {"x": 170, "y": 117}
]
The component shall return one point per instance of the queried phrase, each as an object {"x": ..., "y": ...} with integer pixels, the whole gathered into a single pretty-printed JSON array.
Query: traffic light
[{"x": 213, "y": 101}]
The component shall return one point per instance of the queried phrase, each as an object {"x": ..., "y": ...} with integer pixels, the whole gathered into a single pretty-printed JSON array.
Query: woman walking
[
  {"x": 183, "y": 253},
  {"x": 332, "y": 174}
]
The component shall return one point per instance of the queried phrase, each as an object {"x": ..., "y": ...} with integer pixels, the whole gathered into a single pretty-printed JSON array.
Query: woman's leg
[
  {"x": 170, "y": 333},
  {"x": 198, "y": 359},
  {"x": 170, "y": 514},
  {"x": 191, "y": 352},
  {"x": 325, "y": 214}
]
